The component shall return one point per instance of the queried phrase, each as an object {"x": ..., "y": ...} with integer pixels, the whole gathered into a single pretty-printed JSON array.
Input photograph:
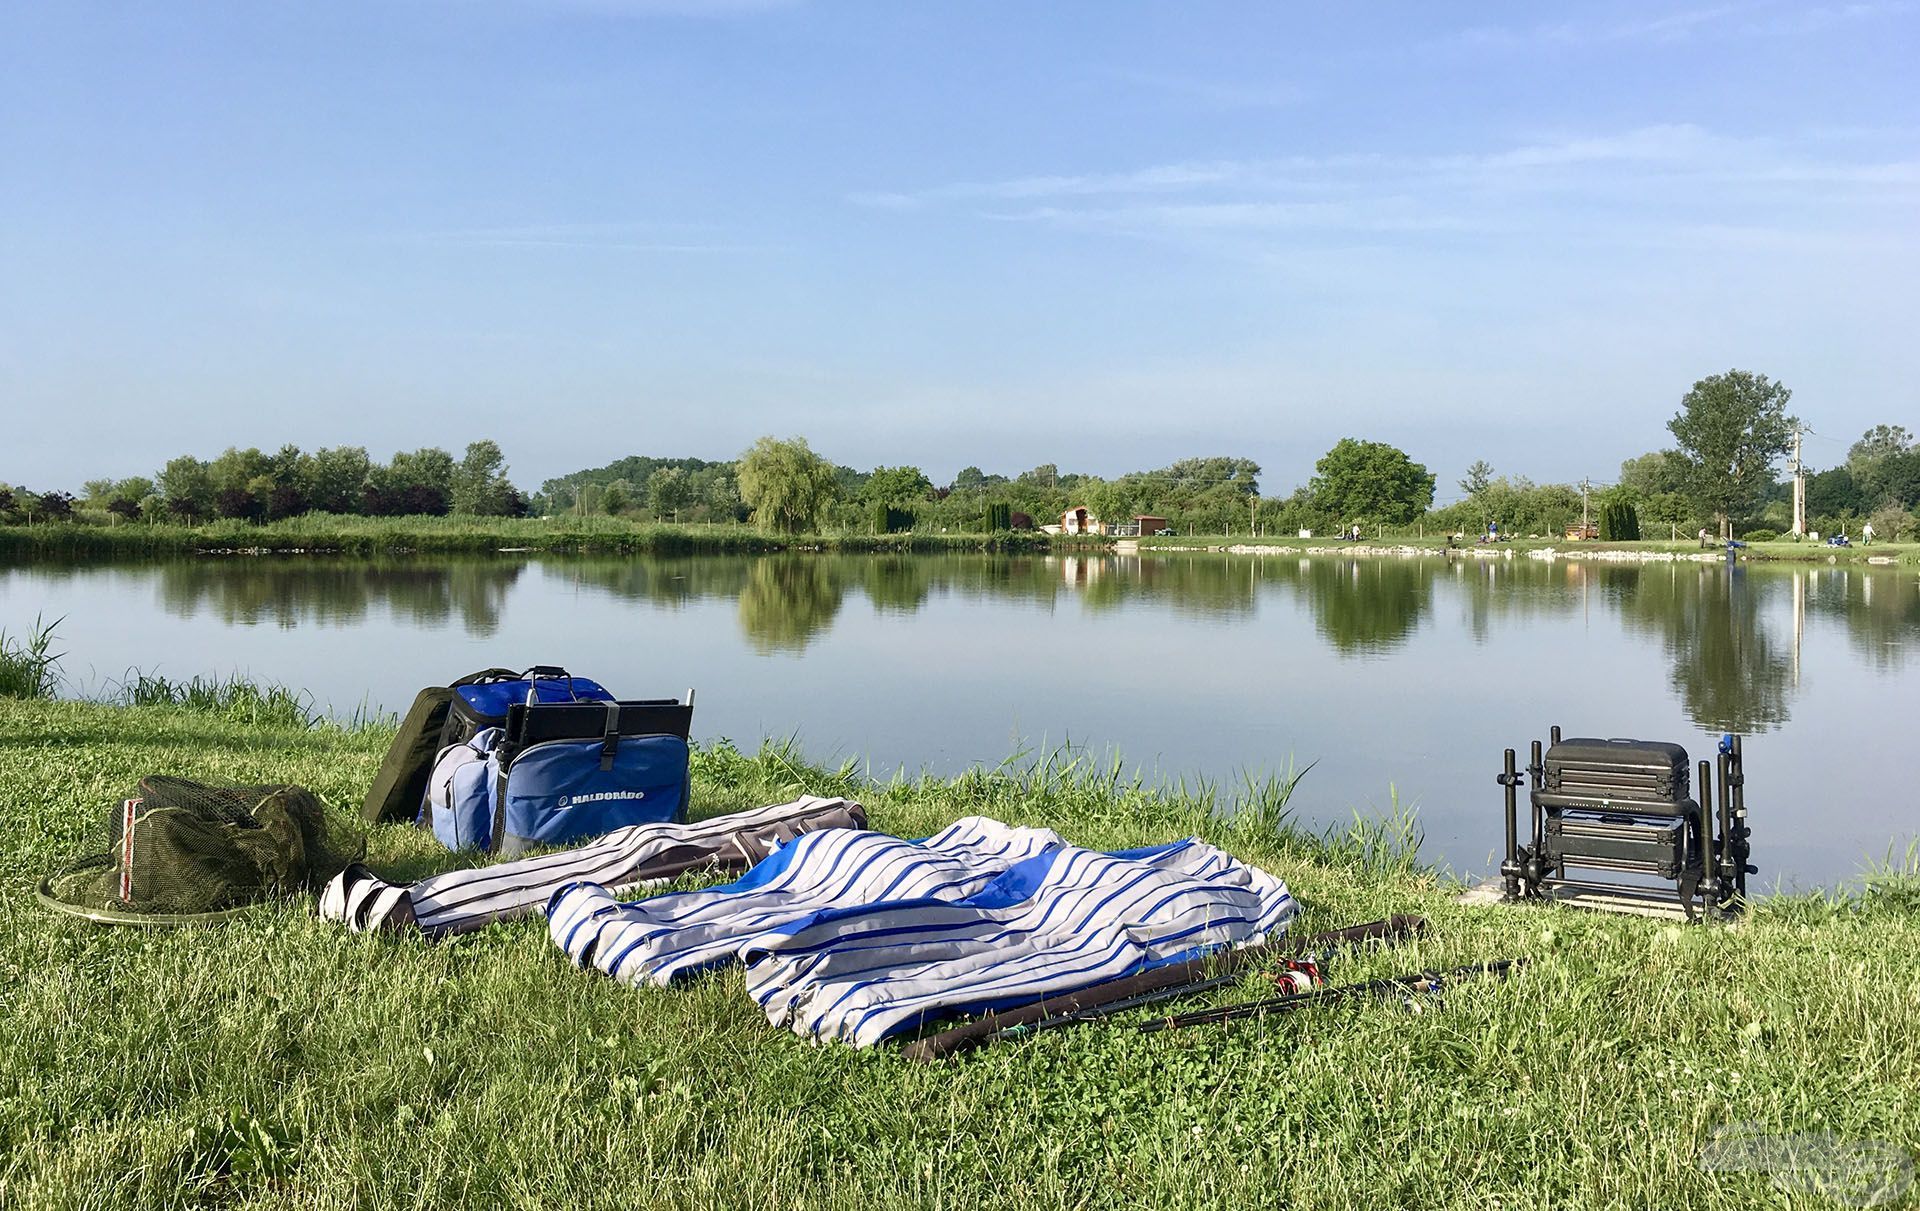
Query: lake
[{"x": 1392, "y": 677}]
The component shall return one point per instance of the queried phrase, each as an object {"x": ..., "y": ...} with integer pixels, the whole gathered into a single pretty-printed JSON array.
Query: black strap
[
  {"x": 610, "y": 743},
  {"x": 485, "y": 675}
]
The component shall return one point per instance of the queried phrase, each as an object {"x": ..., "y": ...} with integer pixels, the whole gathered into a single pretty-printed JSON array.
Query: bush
[
  {"x": 1760, "y": 535},
  {"x": 890, "y": 520},
  {"x": 1619, "y": 522},
  {"x": 1892, "y": 524}
]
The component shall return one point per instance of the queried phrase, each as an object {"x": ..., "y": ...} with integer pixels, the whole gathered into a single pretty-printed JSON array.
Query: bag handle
[
  {"x": 485, "y": 675},
  {"x": 552, "y": 672}
]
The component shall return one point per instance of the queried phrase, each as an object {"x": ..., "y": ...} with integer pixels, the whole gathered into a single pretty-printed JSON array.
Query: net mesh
[{"x": 176, "y": 847}]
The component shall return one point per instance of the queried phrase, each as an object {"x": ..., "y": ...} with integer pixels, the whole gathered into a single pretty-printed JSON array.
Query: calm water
[{"x": 1391, "y": 676}]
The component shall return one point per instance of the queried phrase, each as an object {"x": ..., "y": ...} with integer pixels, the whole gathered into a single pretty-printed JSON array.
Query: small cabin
[
  {"x": 1142, "y": 524},
  {"x": 1078, "y": 521}
]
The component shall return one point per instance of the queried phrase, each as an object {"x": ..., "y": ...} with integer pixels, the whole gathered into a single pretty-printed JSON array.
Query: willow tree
[{"x": 786, "y": 484}]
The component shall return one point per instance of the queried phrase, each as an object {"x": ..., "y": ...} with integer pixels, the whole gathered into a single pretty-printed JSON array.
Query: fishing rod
[
  {"x": 1424, "y": 982},
  {"x": 1158, "y": 984}
]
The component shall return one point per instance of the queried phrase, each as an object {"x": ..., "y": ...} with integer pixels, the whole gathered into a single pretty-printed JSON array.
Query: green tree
[
  {"x": 235, "y": 469},
  {"x": 786, "y": 484},
  {"x": 335, "y": 478},
  {"x": 134, "y": 489},
  {"x": 1730, "y": 429},
  {"x": 187, "y": 484},
  {"x": 1654, "y": 473},
  {"x": 970, "y": 479},
  {"x": 1885, "y": 464},
  {"x": 616, "y": 497},
  {"x": 1877, "y": 443},
  {"x": 1194, "y": 476},
  {"x": 1479, "y": 475},
  {"x": 480, "y": 484},
  {"x": 669, "y": 491},
  {"x": 896, "y": 486},
  {"x": 413, "y": 482},
  {"x": 722, "y": 497},
  {"x": 1370, "y": 482}
]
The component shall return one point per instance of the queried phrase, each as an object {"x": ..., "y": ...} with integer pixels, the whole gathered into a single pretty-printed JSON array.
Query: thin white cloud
[
  {"x": 599, "y": 237},
  {"x": 1672, "y": 172},
  {"x": 1215, "y": 94},
  {"x": 1720, "y": 20},
  {"x": 629, "y": 8}
]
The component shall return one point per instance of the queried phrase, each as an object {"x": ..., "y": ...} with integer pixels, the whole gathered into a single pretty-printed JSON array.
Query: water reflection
[
  {"x": 1366, "y": 606},
  {"x": 1732, "y": 669},
  {"x": 1732, "y": 637},
  {"x": 288, "y": 593},
  {"x": 789, "y": 599}
]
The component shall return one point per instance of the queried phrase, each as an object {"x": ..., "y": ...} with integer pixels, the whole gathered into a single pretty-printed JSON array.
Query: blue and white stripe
[
  {"x": 656, "y": 940},
  {"x": 855, "y": 936}
]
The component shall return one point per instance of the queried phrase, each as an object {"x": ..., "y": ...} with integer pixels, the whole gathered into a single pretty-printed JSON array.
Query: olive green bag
[
  {"x": 401, "y": 784},
  {"x": 400, "y": 787}
]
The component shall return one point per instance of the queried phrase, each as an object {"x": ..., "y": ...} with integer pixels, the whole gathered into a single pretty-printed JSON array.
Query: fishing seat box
[
  {"x": 1619, "y": 805},
  {"x": 1636, "y": 775}
]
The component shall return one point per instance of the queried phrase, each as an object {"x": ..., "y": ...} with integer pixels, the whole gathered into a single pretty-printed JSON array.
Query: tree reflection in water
[
  {"x": 1730, "y": 633},
  {"x": 291, "y": 591},
  {"x": 787, "y": 600},
  {"x": 1729, "y": 668}
]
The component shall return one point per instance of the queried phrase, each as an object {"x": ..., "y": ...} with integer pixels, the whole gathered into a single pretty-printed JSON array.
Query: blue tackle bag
[
  {"x": 561, "y": 774},
  {"x": 481, "y": 700}
]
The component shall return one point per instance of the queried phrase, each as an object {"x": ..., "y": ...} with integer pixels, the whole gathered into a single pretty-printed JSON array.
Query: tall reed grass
[{"x": 29, "y": 667}]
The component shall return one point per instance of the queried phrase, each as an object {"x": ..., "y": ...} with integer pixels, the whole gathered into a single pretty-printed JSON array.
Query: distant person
[
  {"x": 1866, "y": 535},
  {"x": 1703, "y": 537}
]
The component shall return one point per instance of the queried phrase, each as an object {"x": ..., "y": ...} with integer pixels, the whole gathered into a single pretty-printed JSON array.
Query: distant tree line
[
  {"x": 248, "y": 485},
  {"x": 1722, "y": 471}
]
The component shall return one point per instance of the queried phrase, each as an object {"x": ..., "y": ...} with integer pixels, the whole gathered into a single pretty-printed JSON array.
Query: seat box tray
[
  {"x": 1618, "y": 771},
  {"x": 1656, "y": 846}
]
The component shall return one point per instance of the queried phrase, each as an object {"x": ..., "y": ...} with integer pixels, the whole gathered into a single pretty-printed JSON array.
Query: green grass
[
  {"x": 278, "y": 1062},
  {"x": 29, "y": 667},
  {"x": 329, "y": 534}
]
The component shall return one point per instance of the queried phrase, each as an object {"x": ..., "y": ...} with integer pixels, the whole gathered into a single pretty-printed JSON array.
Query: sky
[{"x": 1106, "y": 236}]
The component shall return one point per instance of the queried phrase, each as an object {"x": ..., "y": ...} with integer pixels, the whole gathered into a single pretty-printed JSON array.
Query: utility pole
[
  {"x": 1253, "y": 503},
  {"x": 1583, "y": 507},
  {"x": 1799, "y": 487}
]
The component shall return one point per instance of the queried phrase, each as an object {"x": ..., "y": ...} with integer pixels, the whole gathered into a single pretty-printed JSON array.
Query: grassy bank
[
  {"x": 278, "y": 1062},
  {"x": 466, "y": 535},
  {"x": 1787, "y": 551}
]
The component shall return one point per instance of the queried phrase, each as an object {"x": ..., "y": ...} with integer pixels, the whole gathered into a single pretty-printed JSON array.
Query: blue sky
[{"x": 1101, "y": 235}]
